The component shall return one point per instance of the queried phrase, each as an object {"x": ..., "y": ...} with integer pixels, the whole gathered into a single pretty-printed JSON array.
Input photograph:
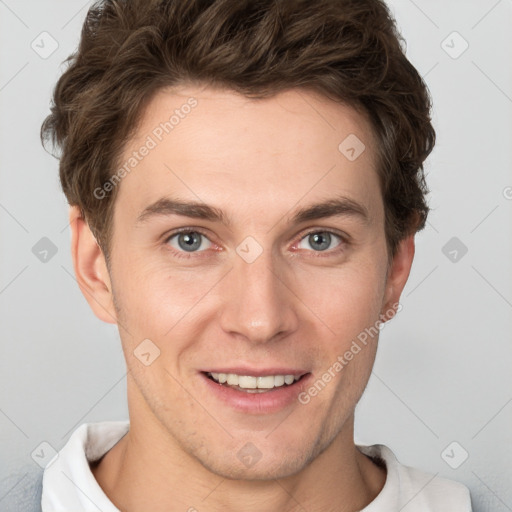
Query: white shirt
[{"x": 69, "y": 485}]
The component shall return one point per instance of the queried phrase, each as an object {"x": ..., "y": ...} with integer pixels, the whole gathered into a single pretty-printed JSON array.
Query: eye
[
  {"x": 188, "y": 241},
  {"x": 320, "y": 240}
]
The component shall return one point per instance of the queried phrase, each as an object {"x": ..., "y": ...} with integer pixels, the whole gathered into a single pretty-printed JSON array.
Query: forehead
[
  {"x": 222, "y": 147},
  {"x": 218, "y": 114}
]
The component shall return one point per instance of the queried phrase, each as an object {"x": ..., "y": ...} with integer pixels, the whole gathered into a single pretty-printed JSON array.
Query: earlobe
[
  {"x": 90, "y": 268},
  {"x": 398, "y": 273}
]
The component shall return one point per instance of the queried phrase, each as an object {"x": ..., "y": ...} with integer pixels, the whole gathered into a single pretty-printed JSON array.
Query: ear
[
  {"x": 398, "y": 273},
  {"x": 90, "y": 268}
]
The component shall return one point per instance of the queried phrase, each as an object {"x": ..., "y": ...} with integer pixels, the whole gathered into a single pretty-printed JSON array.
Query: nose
[{"x": 259, "y": 304}]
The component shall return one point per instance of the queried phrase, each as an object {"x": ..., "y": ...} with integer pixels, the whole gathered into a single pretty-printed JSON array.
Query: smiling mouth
[{"x": 253, "y": 384}]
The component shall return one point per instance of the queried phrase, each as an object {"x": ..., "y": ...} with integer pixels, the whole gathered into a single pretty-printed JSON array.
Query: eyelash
[{"x": 184, "y": 254}]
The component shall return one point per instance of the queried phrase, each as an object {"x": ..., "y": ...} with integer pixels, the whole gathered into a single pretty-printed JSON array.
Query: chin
[
  {"x": 260, "y": 471},
  {"x": 246, "y": 462}
]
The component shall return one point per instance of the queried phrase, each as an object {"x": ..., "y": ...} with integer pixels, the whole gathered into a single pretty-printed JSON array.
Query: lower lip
[{"x": 257, "y": 403}]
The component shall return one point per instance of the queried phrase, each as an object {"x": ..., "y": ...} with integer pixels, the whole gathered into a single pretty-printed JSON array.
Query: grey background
[{"x": 443, "y": 370}]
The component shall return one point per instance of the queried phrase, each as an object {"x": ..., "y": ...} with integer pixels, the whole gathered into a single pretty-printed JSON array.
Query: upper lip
[{"x": 257, "y": 372}]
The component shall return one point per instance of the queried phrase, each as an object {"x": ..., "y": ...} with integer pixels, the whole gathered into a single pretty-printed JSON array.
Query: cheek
[
  {"x": 349, "y": 307},
  {"x": 346, "y": 300},
  {"x": 156, "y": 302}
]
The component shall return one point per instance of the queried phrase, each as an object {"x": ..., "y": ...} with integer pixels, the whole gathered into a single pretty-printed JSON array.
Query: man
[{"x": 245, "y": 182}]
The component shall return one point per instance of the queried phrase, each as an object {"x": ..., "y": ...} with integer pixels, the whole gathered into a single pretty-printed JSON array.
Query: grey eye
[
  {"x": 189, "y": 241},
  {"x": 319, "y": 240}
]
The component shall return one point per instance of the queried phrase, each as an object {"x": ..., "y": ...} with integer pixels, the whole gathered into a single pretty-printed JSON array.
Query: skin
[{"x": 259, "y": 161}]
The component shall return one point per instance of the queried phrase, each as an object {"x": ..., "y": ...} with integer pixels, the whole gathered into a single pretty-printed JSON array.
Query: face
[{"x": 253, "y": 280}]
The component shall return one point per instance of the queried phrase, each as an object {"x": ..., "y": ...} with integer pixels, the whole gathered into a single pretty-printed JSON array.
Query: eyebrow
[{"x": 334, "y": 207}]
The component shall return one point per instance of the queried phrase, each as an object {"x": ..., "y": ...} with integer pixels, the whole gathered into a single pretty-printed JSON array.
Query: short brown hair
[{"x": 348, "y": 50}]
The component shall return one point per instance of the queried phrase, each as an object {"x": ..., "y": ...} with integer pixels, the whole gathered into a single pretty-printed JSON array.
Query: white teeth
[
  {"x": 251, "y": 382},
  {"x": 247, "y": 382},
  {"x": 232, "y": 379},
  {"x": 288, "y": 379},
  {"x": 279, "y": 380},
  {"x": 267, "y": 382}
]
